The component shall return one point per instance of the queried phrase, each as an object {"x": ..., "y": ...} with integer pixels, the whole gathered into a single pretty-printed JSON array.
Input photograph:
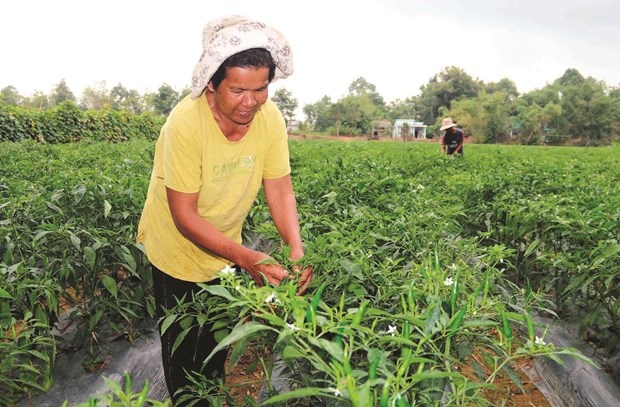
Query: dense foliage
[
  {"x": 67, "y": 123},
  {"x": 573, "y": 109},
  {"x": 420, "y": 260}
]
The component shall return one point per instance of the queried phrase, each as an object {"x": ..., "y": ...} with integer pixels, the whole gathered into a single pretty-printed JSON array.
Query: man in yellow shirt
[{"x": 217, "y": 148}]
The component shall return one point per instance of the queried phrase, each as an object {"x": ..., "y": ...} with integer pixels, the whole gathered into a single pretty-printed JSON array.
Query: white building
[{"x": 408, "y": 129}]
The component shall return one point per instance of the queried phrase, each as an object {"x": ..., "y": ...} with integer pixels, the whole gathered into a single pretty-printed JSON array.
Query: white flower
[
  {"x": 448, "y": 281},
  {"x": 228, "y": 270},
  {"x": 272, "y": 298},
  {"x": 539, "y": 341},
  {"x": 392, "y": 330},
  {"x": 292, "y": 327},
  {"x": 337, "y": 392}
]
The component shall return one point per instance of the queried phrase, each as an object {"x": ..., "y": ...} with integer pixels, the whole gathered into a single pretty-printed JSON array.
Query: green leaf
[
  {"x": 5, "y": 294},
  {"x": 106, "y": 208},
  {"x": 78, "y": 193},
  {"x": 297, "y": 394},
  {"x": 110, "y": 285},
  {"x": 90, "y": 257},
  {"x": 169, "y": 320},
  {"x": 95, "y": 318},
  {"x": 240, "y": 331},
  {"x": 531, "y": 247},
  {"x": 218, "y": 290}
]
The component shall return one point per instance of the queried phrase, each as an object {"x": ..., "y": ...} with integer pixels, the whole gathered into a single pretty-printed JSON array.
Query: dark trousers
[{"x": 196, "y": 346}]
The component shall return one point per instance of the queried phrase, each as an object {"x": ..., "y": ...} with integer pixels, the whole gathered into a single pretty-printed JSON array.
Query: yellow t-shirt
[{"x": 192, "y": 155}]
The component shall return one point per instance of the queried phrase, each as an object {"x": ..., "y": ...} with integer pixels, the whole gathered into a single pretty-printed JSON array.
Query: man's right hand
[{"x": 260, "y": 265}]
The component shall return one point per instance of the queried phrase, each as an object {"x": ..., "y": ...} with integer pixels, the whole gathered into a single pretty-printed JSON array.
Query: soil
[{"x": 506, "y": 393}]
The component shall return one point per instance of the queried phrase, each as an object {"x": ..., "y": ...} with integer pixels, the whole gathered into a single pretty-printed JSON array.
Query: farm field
[{"x": 428, "y": 270}]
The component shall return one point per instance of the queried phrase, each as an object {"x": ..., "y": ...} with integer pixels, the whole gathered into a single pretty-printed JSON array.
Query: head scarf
[{"x": 226, "y": 36}]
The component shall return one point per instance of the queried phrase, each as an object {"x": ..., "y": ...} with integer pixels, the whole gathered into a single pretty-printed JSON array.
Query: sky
[{"x": 396, "y": 45}]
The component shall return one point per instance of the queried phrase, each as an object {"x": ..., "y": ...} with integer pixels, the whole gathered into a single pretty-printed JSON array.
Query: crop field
[{"x": 428, "y": 270}]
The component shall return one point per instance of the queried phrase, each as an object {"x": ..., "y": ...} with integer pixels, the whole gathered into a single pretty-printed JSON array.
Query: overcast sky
[{"x": 397, "y": 45}]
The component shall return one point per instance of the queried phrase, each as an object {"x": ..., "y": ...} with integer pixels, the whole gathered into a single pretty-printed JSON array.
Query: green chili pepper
[
  {"x": 338, "y": 337},
  {"x": 372, "y": 371},
  {"x": 311, "y": 312},
  {"x": 385, "y": 394},
  {"x": 346, "y": 362},
  {"x": 455, "y": 292},
  {"x": 506, "y": 326},
  {"x": 530, "y": 326},
  {"x": 456, "y": 323},
  {"x": 410, "y": 299},
  {"x": 360, "y": 313}
]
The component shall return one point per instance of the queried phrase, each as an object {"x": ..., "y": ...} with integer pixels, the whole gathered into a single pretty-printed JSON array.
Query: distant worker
[{"x": 453, "y": 138}]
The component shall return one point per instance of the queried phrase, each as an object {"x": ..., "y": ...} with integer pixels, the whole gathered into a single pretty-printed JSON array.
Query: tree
[
  {"x": 319, "y": 114},
  {"x": 450, "y": 85},
  {"x": 118, "y": 95},
  {"x": 60, "y": 93},
  {"x": 128, "y": 100},
  {"x": 571, "y": 77},
  {"x": 164, "y": 100},
  {"x": 534, "y": 120},
  {"x": 361, "y": 86},
  {"x": 589, "y": 109},
  {"x": 547, "y": 98},
  {"x": 401, "y": 109},
  {"x": 96, "y": 97},
  {"x": 38, "y": 100},
  {"x": 286, "y": 103},
  {"x": 10, "y": 96},
  {"x": 356, "y": 114},
  {"x": 504, "y": 85}
]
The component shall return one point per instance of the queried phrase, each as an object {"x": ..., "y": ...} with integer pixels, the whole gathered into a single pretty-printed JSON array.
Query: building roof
[{"x": 410, "y": 122}]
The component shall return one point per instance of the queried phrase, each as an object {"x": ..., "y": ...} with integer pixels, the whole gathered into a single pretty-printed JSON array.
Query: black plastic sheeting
[
  {"x": 72, "y": 383},
  {"x": 574, "y": 384}
]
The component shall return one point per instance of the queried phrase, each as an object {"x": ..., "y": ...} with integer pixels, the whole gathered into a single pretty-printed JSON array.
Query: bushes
[{"x": 68, "y": 123}]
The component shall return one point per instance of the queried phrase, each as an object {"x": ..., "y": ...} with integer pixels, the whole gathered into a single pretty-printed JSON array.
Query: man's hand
[
  {"x": 262, "y": 266},
  {"x": 304, "y": 278}
]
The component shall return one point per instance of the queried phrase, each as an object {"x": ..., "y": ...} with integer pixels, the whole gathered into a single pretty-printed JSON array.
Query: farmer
[
  {"x": 219, "y": 145},
  {"x": 453, "y": 138}
]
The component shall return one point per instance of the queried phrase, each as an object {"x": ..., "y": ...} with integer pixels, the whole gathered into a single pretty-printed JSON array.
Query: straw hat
[{"x": 447, "y": 123}]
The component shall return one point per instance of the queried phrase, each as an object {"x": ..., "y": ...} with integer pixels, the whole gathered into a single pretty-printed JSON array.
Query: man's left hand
[{"x": 305, "y": 277}]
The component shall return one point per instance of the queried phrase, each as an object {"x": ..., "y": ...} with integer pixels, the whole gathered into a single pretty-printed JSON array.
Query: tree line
[
  {"x": 572, "y": 109},
  {"x": 99, "y": 97}
]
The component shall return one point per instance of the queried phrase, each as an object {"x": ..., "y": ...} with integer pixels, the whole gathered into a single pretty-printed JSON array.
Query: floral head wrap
[{"x": 226, "y": 36}]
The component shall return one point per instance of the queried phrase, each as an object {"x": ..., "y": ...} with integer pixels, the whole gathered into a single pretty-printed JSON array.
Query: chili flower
[
  {"x": 228, "y": 270},
  {"x": 272, "y": 298}
]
